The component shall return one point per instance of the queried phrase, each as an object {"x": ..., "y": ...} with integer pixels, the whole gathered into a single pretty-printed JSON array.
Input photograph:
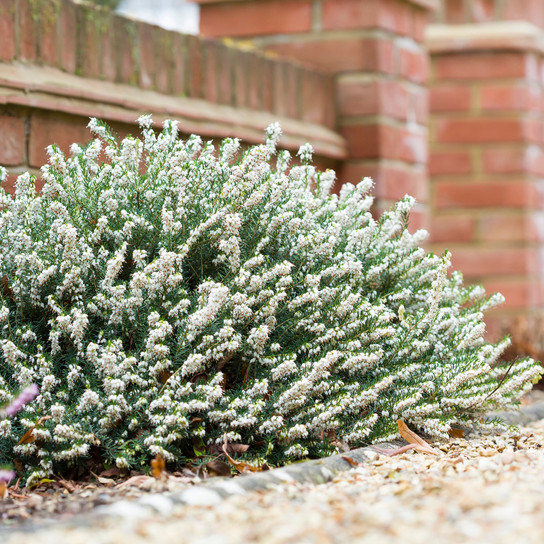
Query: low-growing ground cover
[{"x": 167, "y": 296}]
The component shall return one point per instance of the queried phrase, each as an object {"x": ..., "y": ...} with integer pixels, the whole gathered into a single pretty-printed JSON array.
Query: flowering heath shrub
[{"x": 173, "y": 293}]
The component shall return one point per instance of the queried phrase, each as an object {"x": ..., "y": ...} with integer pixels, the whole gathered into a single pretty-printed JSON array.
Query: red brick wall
[
  {"x": 487, "y": 162},
  {"x": 376, "y": 52},
  {"x": 478, "y": 11},
  {"x": 62, "y": 62}
]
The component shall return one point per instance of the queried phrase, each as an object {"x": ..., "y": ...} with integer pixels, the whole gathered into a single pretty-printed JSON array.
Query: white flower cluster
[{"x": 173, "y": 294}]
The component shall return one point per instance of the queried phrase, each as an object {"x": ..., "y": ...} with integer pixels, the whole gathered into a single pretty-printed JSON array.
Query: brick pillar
[
  {"x": 487, "y": 159},
  {"x": 375, "y": 50},
  {"x": 481, "y": 11}
]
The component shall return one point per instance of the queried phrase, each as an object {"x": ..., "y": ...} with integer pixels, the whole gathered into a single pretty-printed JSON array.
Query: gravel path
[{"x": 484, "y": 489}]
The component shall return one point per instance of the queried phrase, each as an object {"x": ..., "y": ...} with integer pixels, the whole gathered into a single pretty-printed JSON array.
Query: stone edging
[
  {"x": 212, "y": 492},
  {"x": 315, "y": 472}
]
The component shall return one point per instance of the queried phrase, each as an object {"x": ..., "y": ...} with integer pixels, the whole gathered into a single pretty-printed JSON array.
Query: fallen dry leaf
[
  {"x": 68, "y": 485},
  {"x": 414, "y": 440},
  {"x": 240, "y": 466},
  {"x": 29, "y": 437},
  {"x": 454, "y": 432},
  {"x": 165, "y": 375},
  {"x": 351, "y": 461},
  {"x": 6, "y": 289},
  {"x": 158, "y": 466},
  {"x": 218, "y": 468},
  {"x": 104, "y": 481},
  {"x": 111, "y": 472},
  {"x": 3, "y": 490}
]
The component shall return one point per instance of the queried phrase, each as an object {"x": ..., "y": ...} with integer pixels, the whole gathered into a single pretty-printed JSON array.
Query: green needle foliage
[{"x": 173, "y": 294}]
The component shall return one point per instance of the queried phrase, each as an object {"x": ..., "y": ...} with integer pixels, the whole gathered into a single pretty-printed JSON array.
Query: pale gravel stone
[
  {"x": 231, "y": 487},
  {"x": 485, "y": 490},
  {"x": 160, "y": 503},
  {"x": 199, "y": 496},
  {"x": 283, "y": 476},
  {"x": 122, "y": 509}
]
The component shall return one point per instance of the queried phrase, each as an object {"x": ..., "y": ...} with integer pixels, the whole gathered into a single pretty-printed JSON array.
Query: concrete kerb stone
[
  {"x": 315, "y": 472},
  {"x": 212, "y": 492}
]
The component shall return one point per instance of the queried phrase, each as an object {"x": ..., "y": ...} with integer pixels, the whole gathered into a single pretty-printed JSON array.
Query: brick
[
  {"x": 212, "y": 64},
  {"x": 291, "y": 92},
  {"x": 292, "y": 85},
  {"x": 419, "y": 219},
  {"x": 280, "y": 89},
  {"x": 528, "y": 10},
  {"x": 450, "y": 98},
  {"x": 394, "y": 183},
  {"x": 380, "y": 97},
  {"x": 395, "y": 16},
  {"x": 68, "y": 37},
  {"x": 383, "y": 141},
  {"x": 108, "y": 54},
  {"x": 256, "y": 18},
  {"x": 391, "y": 181},
  {"x": 341, "y": 55},
  {"x": 196, "y": 75},
  {"x": 12, "y": 136},
  {"x": 164, "y": 58},
  {"x": 509, "y": 228},
  {"x": 418, "y": 100},
  {"x": 414, "y": 65},
  {"x": 359, "y": 98},
  {"x": 509, "y": 97},
  {"x": 49, "y": 128},
  {"x": 325, "y": 94},
  {"x": 126, "y": 54},
  {"x": 48, "y": 32},
  {"x": 396, "y": 101},
  {"x": 241, "y": 80},
  {"x": 500, "y": 194},
  {"x": 330, "y": 119},
  {"x": 254, "y": 84},
  {"x": 180, "y": 69},
  {"x": 450, "y": 163},
  {"x": 146, "y": 54},
  {"x": 480, "y": 130},
  {"x": 267, "y": 74},
  {"x": 504, "y": 160},
  {"x": 452, "y": 229},
  {"x": 225, "y": 75},
  {"x": 310, "y": 98},
  {"x": 89, "y": 46},
  {"x": 533, "y": 130},
  {"x": 482, "y": 11},
  {"x": 9, "y": 184},
  {"x": 420, "y": 20},
  {"x": 534, "y": 160},
  {"x": 486, "y": 261},
  {"x": 7, "y": 30},
  {"x": 473, "y": 66},
  {"x": 519, "y": 294},
  {"x": 28, "y": 33},
  {"x": 455, "y": 11},
  {"x": 389, "y": 15}
]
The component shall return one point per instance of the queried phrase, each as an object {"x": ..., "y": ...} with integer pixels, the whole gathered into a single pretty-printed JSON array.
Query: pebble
[{"x": 485, "y": 490}]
